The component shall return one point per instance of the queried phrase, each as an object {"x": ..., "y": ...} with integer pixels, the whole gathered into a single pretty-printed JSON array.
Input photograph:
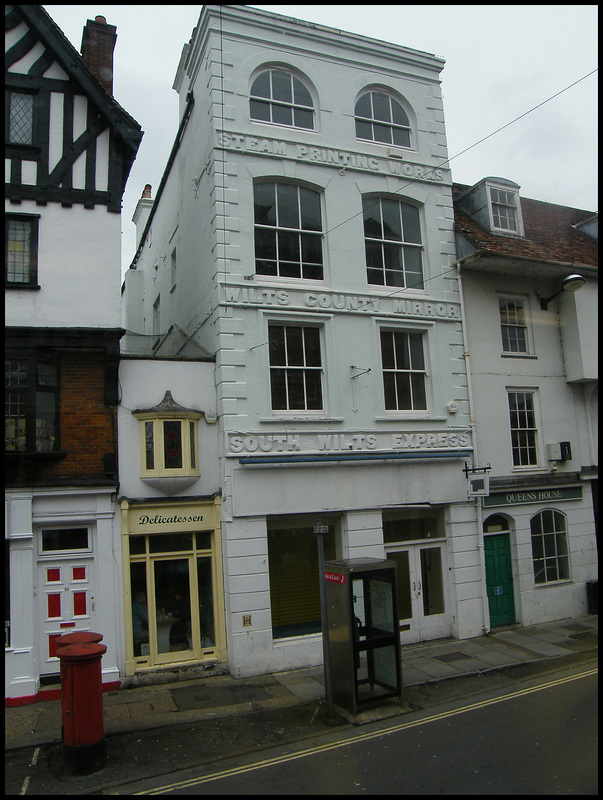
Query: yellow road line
[{"x": 364, "y": 737}]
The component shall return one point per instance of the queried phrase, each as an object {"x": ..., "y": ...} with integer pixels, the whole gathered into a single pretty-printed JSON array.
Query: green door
[{"x": 499, "y": 579}]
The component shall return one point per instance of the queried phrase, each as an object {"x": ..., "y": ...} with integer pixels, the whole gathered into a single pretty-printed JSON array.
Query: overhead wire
[
  {"x": 439, "y": 166},
  {"x": 475, "y": 144},
  {"x": 405, "y": 185}
]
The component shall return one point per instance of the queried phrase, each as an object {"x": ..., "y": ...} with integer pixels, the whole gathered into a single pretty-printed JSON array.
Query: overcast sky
[{"x": 501, "y": 61}]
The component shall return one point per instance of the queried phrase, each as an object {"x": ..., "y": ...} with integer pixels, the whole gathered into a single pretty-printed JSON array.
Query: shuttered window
[{"x": 294, "y": 580}]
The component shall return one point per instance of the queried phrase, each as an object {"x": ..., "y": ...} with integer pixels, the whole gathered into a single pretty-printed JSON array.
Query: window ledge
[
  {"x": 29, "y": 286},
  {"x": 548, "y": 585},
  {"x": 287, "y": 418},
  {"x": 519, "y": 355},
  {"x": 411, "y": 416},
  {"x": 506, "y": 233}
]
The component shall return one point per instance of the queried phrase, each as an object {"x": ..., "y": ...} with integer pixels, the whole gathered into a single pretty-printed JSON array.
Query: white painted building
[
  {"x": 69, "y": 148},
  {"x": 530, "y": 293},
  {"x": 303, "y": 233}
]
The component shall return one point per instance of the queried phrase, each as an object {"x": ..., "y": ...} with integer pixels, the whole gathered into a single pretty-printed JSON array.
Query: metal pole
[{"x": 320, "y": 530}]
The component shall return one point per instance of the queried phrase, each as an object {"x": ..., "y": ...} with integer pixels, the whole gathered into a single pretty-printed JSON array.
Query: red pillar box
[
  {"x": 79, "y": 637},
  {"x": 82, "y": 707}
]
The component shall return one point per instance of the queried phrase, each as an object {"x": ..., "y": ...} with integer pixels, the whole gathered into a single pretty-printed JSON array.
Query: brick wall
[{"x": 88, "y": 426}]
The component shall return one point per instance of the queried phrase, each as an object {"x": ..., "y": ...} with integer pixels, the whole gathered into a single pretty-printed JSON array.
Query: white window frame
[
  {"x": 424, "y": 371},
  {"x": 372, "y": 120},
  {"x": 299, "y": 233},
  {"x": 273, "y": 102},
  {"x": 536, "y": 428},
  {"x": 511, "y": 200},
  {"x": 382, "y": 243},
  {"x": 525, "y": 325},
  {"x": 293, "y": 412},
  {"x": 547, "y": 560}
]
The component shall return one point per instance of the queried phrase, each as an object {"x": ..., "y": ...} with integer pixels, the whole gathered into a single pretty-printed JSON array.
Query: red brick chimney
[{"x": 98, "y": 44}]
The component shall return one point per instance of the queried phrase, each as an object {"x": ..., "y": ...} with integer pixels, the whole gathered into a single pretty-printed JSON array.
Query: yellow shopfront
[{"x": 173, "y": 602}]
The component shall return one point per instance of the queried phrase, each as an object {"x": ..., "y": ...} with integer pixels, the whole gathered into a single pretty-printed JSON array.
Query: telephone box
[{"x": 362, "y": 624}]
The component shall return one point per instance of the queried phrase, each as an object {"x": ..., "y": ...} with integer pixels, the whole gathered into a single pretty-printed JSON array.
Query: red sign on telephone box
[{"x": 335, "y": 577}]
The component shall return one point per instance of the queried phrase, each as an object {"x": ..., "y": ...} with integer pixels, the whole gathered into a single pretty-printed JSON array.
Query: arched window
[
  {"x": 288, "y": 231},
  {"x": 278, "y": 96},
  {"x": 550, "y": 551},
  {"x": 392, "y": 241},
  {"x": 380, "y": 118}
]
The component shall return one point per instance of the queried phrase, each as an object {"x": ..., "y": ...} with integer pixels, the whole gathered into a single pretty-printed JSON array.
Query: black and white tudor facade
[{"x": 69, "y": 148}]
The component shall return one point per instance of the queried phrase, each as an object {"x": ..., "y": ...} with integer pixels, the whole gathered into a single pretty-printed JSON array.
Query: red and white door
[{"x": 65, "y": 602}]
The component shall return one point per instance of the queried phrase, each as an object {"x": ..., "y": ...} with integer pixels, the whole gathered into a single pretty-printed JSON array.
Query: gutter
[{"x": 467, "y": 260}]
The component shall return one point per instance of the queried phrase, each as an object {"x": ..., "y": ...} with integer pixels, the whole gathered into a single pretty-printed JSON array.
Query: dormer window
[
  {"x": 168, "y": 435},
  {"x": 504, "y": 207},
  {"x": 504, "y": 211},
  {"x": 494, "y": 204}
]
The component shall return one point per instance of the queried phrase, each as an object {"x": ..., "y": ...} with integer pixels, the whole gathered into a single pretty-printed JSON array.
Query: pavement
[{"x": 209, "y": 719}]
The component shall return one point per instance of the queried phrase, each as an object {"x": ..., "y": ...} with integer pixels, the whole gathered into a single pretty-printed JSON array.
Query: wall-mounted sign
[
  {"x": 174, "y": 518},
  {"x": 342, "y": 160},
  {"x": 534, "y": 496},
  {"x": 352, "y": 441},
  {"x": 388, "y": 306}
]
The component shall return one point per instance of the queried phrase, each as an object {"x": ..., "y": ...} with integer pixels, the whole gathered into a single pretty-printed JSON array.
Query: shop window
[
  {"x": 392, "y": 243},
  {"x": 281, "y": 98},
  {"x": 522, "y": 418},
  {"x": 295, "y": 368},
  {"x": 31, "y": 406},
  {"x": 172, "y": 589},
  {"x": 380, "y": 118},
  {"x": 404, "y": 372},
  {"x": 288, "y": 231},
  {"x": 412, "y": 525},
  {"x": 21, "y": 250},
  {"x": 294, "y": 585},
  {"x": 550, "y": 551}
]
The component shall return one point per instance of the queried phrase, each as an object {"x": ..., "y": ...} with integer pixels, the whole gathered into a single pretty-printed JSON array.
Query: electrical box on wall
[
  {"x": 479, "y": 486},
  {"x": 559, "y": 451}
]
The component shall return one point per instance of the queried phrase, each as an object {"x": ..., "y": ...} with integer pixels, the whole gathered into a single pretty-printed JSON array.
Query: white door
[
  {"x": 422, "y": 602},
  {"x": 65, "y": 603}
]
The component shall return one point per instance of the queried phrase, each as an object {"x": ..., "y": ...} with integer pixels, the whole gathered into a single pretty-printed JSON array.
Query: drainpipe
[
  {"x": 589, "y": 390},
  {"x": 478, "y": 500}
]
